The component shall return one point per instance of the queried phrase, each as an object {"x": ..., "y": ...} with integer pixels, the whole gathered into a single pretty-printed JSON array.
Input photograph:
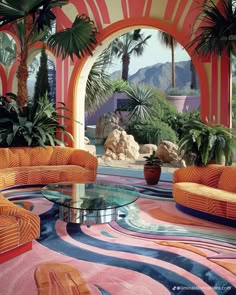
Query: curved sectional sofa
[
  {"x": 207, "y": 192},
  {"x": 35, "y": 165}
]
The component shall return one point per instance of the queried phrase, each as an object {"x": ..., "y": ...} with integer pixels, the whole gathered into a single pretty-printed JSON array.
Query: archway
[{"x": 81, "y": 69}]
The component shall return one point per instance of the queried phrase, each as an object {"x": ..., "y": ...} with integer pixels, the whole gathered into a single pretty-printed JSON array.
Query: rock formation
[
  {"x": 120, "y": 146},
  {"x": 167, "y": 151},
  {"x": 105, "y": 125}
]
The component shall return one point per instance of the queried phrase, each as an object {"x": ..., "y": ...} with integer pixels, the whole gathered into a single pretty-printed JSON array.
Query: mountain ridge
[{"x": 159, "y": 75}]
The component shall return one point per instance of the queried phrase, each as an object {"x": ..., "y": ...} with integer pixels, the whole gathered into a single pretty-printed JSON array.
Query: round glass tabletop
[{"x": 90, "y": 196}]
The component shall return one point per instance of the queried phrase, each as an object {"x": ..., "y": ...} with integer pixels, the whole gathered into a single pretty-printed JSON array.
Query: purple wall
[{"x": 109, "y": 106}]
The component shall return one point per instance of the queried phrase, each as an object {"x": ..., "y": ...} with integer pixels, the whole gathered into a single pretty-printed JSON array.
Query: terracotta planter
[{"x": 152, "y": 174}]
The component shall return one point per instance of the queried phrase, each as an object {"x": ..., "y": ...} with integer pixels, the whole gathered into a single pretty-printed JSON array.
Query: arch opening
[{"x": 82, "y": 68}]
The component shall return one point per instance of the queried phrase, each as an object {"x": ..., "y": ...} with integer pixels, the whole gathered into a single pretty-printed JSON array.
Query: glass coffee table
[{"x": 90, "y": 203}]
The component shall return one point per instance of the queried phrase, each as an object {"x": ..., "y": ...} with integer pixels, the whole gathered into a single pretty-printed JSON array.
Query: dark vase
[{"x": 152, "y": 174}]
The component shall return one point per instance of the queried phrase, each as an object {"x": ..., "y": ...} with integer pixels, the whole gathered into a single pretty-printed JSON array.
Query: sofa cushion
[
  {"x": 210, "y": 175},
  {"x": 206, "y": 191},
  {"x": 205, "y": 199},
  {"x": 227, "y": 180},
  {"x": 44, "y": 174}
]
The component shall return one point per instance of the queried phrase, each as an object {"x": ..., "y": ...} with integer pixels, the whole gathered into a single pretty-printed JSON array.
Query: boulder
[
  {"x": 121, "y": 146},
  {"x": 148, "y": 148},
  {"x": 167, "y": 151},
  {"x": 105, "y": 125}
]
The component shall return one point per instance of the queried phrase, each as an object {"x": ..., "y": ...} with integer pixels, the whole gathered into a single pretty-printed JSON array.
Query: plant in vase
[{"x": 152, "y": 169}]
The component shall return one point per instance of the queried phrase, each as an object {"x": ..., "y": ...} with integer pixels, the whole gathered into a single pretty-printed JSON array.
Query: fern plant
[
  {"x": 207, "y": 143},
  {"x": 36, "y": 124}
]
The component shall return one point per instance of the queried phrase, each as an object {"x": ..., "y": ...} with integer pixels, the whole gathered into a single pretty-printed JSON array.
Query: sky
[{"x": 155, "y": 52}]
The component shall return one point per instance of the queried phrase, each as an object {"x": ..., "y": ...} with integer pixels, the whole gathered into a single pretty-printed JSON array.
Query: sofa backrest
[
  {"x": 34, "y": 156},
  {"x": 227, "y": 181},
  {"x": 208, "y": 175}
]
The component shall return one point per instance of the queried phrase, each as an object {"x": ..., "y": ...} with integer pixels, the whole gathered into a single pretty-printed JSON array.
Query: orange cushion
[
  {"x": 227, "y": 180},
  {"x": 210, "y": 175}
]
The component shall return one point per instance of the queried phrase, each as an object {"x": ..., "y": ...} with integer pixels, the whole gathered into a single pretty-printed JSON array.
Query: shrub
[
  {"x": 161, "y": 106},
  {"x": 119, "y": 86},
  {"x": 179, "y": 92},
  {"x": 179, "y": 120},
  {"x": 151, "y": 132}
]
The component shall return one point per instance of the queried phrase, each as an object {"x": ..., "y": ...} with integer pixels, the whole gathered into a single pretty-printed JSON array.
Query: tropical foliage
[
  {"x": 206, "y": 143},
  {"x": 132, "y": 43},
  {"x": 151, "y": 131},
  {"x": 152, "y": 160},
  {"x": 217, "y": 32},
  {"x": 99, "y": 86},
  {"x": 33, "y": 125},
  {"x": 31, "y": 21},
  {"x": 148, "y": 109},
  {"x": 7, "y": 49},
  {"x": 119, "y": 86},
  {"x": 140, "y": 102}
]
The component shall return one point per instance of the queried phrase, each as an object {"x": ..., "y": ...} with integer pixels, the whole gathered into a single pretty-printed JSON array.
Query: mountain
[{"x": 159, "y": 75}]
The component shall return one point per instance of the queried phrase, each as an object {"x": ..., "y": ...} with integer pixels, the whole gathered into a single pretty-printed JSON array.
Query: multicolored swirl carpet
[{"x": 155, "y": 249}]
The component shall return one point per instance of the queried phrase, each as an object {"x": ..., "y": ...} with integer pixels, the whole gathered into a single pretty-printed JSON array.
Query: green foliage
[
  {"x": 33, "y": 125},
  {"x": 120, "y": 86},
  {"x": 139, "y": 106},
  {"x": 127, "y": 45},
  {"x": 78, "y": 40},
  {"x": 42, "y": 87},
  {"x": 179, "y": 120},
  {"x": 162, "y": 108},
  {"x": 217, "y": 32},
  {"x": 152, "y": 160},
  {"x": 150, "y": 131},
  {"x": 234, "y": 102},
  {"x": 7, "y": 49},
  {"x": 206, "y": 143},
  {"x": 178, "y": 91},
  {"x": 99, "y": 86}
]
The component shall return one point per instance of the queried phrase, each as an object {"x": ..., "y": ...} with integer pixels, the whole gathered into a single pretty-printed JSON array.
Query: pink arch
[{"x": 144, "y": 22}]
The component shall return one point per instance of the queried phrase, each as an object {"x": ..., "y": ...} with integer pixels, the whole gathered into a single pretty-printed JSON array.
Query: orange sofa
[
  {"x": 38, "y": 165},
  {"x": 35, "y": 165},
  {"x": 207, "y": 192}
]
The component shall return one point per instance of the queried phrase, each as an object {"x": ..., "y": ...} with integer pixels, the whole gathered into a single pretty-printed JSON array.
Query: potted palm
[
  {"x": 207, "y": 143},
  {"x": 152, "y": 169}
]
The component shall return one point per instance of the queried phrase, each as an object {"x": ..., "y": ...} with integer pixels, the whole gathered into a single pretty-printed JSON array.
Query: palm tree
[
  {"x": 31, "y": 20},
  {"x": 99, "y": 86},
  {"x": 193, "y": 84},
  {"x": 132, "y": 43},
  {"x": 217, "y": 34},
  {"x": 170, "y": 42}
]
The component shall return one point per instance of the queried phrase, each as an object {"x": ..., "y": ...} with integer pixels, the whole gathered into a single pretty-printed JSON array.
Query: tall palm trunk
[
  {"x": 22, "y": 72},
  {"x": 125, "y": 66},
  {"x": 173, "y": 63},
  {"x": 193, "y": 84}
]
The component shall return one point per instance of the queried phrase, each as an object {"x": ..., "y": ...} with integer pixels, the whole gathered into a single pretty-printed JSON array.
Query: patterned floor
[{"x": 155, "y": 249}]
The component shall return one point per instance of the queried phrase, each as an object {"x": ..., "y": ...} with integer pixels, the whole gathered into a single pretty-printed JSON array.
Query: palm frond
[
  {"x": 217, "y": 32},
  {"x": 77, "y": 40}
]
